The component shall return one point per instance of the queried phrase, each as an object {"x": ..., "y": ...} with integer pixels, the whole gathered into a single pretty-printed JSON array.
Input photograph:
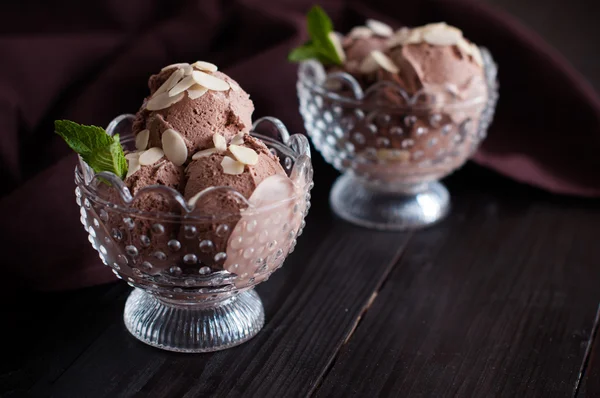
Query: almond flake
[
  {"x": 360, "y": 32},
  {"x": 151, "y": 156},
  {"x": 399, "y": 38},
  {"x": 205, "y": 66},
  {"x": 232, "y": 166},
  {"x": 204, "y": 153},
  {"x": 179, "y": 65},
  {"x": 441, "y": 34},
  {"x": 187, "y": 70},
  {"x": 133, "y": 155},
  {"x": 220, "y": 142},
  {"x": 132, "y": 167},
  {"x": 337, "y": 44},
  {"x": 141, "y": 140},
  {"x": 196, "y": 91},
  {"x": 464, "y": 46},
  {"x": 384, "y": 61},
  {"x": 415, "y": 36},
  {"x": 237, "y": 139},
  {"x": 380, "y": 28},
  {"x": 174, "y": 147},
  {"x": 244, "y": 155},
  {"x": 209, "y": 81},
  {"x": 170, "y": 82},
  {"x": 234, "y": 87},
  {"x": 183, "y": 85},
  {"x": 368, "y": 64},
  {"x": 162, "y": 101}
]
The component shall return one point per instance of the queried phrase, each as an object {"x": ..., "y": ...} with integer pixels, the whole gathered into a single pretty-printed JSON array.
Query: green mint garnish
[
  {"x": 100, "y": 151},
  {"x": 320, "y": 46}
]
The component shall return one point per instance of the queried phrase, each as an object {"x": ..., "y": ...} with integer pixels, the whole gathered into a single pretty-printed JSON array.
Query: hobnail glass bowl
[
  {"x": 194, "y": 267},
  {"x": 392, "y": 148}
]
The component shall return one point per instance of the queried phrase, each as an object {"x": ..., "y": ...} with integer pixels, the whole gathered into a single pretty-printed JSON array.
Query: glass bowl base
[
  {"x": 385, "y": 207},
  {"x": 193, "y": 327}
]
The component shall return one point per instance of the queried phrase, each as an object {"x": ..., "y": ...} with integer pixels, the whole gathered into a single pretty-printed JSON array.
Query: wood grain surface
[{"x": 501, "y": 299}]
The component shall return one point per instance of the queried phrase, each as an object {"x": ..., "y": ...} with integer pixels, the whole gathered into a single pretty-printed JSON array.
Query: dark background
[{"x": 500, "y": 299}]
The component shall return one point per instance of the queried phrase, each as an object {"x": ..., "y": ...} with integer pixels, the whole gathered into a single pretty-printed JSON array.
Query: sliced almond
[
  {"x": 209, "y": 81},
  {"x": 179, "y": 65},
  {"x": 360, "y": 32},
  {"x": 234, "y": 87},
  {"x": 415, "y": 36},
  {"x": 399, "y": 38},
  {"x": 237, "y": 139},
  {"x": 162, "y": 101},
  {"x": 368, "y": 64},
  {"x": 464, "y": 47},
  {"x": 441, "y": 34},
  {"x": 244, "y": 155},
  {"x": 196, "y": 91},
  {"x": 133, "y": 155},
  {"x": 205, "y": 66},
  {"x": 337, "y": 44},
  {"x": 380, "y": 28},
  {"x": 132, "y": 167},
  {"x": 151, "y": 156},
  {"x": 384, "y": 61},
  {"x": 232, "y": 166},
  {"x": 220, "y": 142},
  {"x": 204, "y": 153},
  {"x": 141, "y": 140},
  {"x": 183, "y": 85},
  {"x": 170, "y": 82},
  {"x": 187, "y": 70},
  {"x": 174, "y": 147}
]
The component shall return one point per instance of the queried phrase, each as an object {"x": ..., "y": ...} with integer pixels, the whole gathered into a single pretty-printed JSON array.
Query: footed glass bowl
[
  {"x": 392, "y": 148},
  {"x": 194, "y": 267}
]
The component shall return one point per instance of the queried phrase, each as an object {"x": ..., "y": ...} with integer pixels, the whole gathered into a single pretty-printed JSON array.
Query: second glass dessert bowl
[
  {"x": 392, "y": 148},
  {"x": 194, "y": 268}
]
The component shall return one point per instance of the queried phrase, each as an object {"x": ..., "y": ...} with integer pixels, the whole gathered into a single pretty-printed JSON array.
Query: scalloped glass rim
[
  {"x": 312, "y": 74},
  {"x": 295, "y": 146}
]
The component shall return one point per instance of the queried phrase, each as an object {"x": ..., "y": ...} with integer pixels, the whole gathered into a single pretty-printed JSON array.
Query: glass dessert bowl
[
  {"x": 194, "y": 266},
  {"x": 392, "y": 146}
]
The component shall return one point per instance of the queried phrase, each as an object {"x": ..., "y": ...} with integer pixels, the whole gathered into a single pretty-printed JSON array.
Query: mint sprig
[
  {"x": 320, "y": 46},
  {"x": 100, "y": 151}
]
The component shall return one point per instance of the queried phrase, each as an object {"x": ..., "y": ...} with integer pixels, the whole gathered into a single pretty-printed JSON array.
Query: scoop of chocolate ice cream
[
  {"x": 428, "y": 127},
  {"x": 208, "y": 172},
  {"x": 163, "y": 172},
  {"x": 226, "y": 111},
  {"x": 438, "y": 68}
]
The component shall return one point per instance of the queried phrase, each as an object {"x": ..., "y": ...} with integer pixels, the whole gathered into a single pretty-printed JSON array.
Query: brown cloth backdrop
[{"x": 89, "y": 61}]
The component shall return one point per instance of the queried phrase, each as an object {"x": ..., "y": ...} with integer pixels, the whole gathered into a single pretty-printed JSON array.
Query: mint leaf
[
  {"x": 98, "y": 149},
  {"x": 320, "y": 46},
  {"x": 307, "y": 51},
  {"x": 318, "y": 25}
]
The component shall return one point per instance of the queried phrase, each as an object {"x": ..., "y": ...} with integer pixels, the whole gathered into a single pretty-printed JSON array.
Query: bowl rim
[
  {"x": 320, "y": 76},
  {"x": 187, "y": 213}
]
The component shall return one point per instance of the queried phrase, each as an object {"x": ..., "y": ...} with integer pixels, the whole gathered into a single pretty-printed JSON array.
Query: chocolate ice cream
[
  {"x": 192, "y": 138},
  {"x": 207, "y": 171},
  {"x": 226, "y": 109},
  {"x": 427, "y": 120}
]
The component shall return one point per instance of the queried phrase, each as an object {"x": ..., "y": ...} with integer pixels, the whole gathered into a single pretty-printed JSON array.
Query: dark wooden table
[{"x": 500, "y": 299}]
